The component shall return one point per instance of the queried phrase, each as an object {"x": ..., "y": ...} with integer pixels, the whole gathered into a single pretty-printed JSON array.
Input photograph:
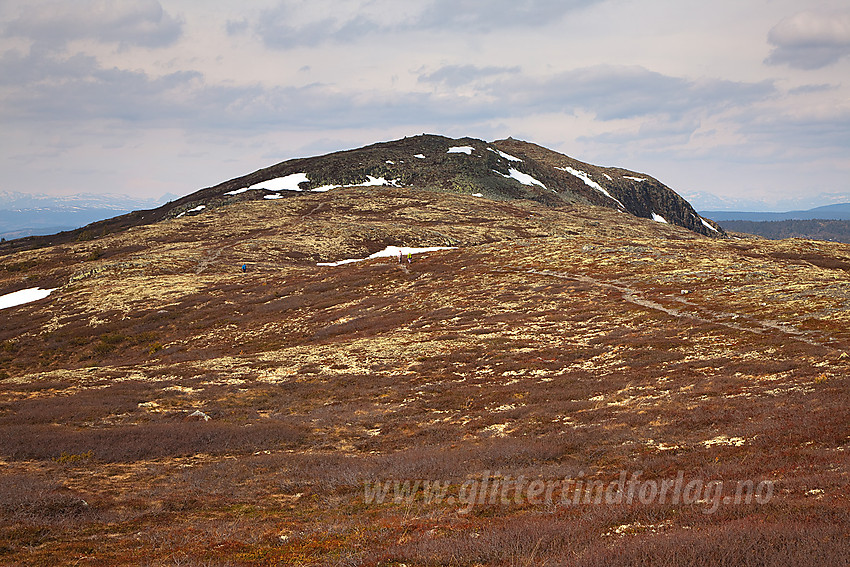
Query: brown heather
[{"x": 551, "y": 342}]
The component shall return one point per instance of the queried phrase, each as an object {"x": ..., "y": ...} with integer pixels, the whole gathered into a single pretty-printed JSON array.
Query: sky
[{"x": 747, "y": 101}]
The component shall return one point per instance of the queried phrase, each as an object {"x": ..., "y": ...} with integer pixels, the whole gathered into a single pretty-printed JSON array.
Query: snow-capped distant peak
[{"x": 461, "y": 150}]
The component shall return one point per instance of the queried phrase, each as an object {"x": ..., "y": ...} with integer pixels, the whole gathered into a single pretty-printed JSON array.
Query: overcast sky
[{"x": 737, "y": 98}]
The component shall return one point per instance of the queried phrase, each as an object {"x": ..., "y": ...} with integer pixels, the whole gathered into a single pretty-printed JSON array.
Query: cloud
[
  {"x": 127, "y": 22},
  {"x": 474, "y": 15},
  {"x": 610, "y": 92},
  {"x": 43, "y": 86},
  {"x": 293, "y": 23},
  {"x": 19, "y": 70},
  {"x": 458, "y": 75},
  {"x": 810, "y": 40}
]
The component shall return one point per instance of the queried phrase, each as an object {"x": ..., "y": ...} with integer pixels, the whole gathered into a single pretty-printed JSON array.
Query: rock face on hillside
[
  {"x": 636, "y": 193},
  {"x": 504, "y": 170}
]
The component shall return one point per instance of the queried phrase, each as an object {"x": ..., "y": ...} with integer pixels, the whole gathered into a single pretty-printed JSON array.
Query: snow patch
[
  {"x": 286, "y": 183},
  {"x": 420, "y": 156},
  {"x": 608, "y": 177},
  {"x": 461, "y": 150},
  {"x": 371, "y": 182},
  {"x": 291, "y": 182},
  {"x": 590, "y": 182},
  {"x": 508, "y": 157},
  {"x": 708, "y": 226},
  {"x": 23, "y": 296},
  {"x": 658, "y": 218},
  {"x": 388, "y": 252},
  {"x": 478, "y": 194},
  {"x": 634, "y": 178},
  {"x": 197, "y": 209},
  {"x": 273, "y": 196},
  {"x": 523, "y": 178}
]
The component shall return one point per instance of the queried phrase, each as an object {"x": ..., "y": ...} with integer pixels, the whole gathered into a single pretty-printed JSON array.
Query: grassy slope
[{"x": 549, "y": 343}]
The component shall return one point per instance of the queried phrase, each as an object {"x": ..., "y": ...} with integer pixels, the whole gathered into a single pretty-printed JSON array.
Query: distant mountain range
[
  {"x": 834, "y": 230},
  {"x": 708, "y": 202},
  {"x": 840, "y": 211},
  {"x": 23, "y": 214}
]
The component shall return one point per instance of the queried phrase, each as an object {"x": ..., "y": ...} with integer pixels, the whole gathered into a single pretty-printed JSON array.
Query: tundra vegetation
[{"x": 161, "y": 407}]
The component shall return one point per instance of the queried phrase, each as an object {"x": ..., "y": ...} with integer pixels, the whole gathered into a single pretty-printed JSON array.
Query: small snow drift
[
  {"x": 197, "y": 209},
  {"x": 523, "y": 178},
  {"x": 23, "y": 296},
  {"x": 374, "y": 182},
  {"x": 508, "y": 157},
  {"x": 461, "y": 150},
  {"x": 591, "y": 183},
  {"x": 708, "y": 226},
  {"x": 370, "y": 182},
  {"x": 285, "y": 183},
  {"x": 292, "y": 183},
  {"x": 658, "y": 218},
  {"x": 388, "y": 252}
]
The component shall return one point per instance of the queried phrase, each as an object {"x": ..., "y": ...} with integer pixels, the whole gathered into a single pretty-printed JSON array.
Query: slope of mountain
[
  {"x": 435, "y": 163},
  {"x": 492, "y": 402}
]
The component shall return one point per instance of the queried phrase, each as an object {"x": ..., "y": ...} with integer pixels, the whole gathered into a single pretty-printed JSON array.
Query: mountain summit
[{"x": 504, "y": 170}]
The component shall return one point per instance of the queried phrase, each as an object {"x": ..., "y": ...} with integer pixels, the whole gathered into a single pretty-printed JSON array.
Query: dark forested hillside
[{"x": 819, "y": 229}]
